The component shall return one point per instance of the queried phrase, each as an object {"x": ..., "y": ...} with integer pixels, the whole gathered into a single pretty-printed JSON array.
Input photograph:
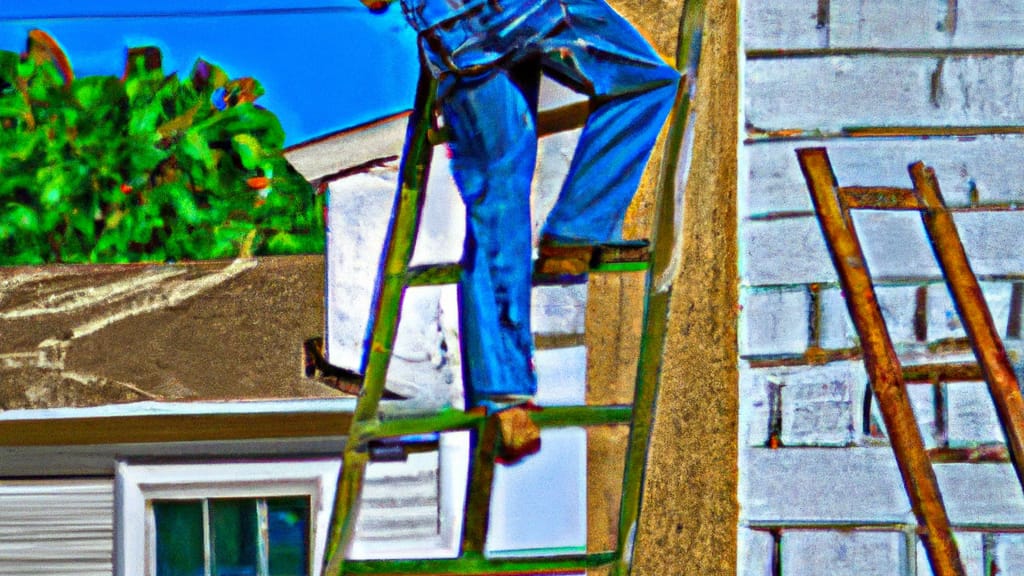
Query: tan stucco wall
[{"x": 689, "y": 514}]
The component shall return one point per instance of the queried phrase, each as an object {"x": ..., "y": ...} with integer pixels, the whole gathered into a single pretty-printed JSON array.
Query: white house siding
[
  {"x": 66, "y": 526},
  {"x": 56, "y": 527},
  {"x": 829, "y": 500}
]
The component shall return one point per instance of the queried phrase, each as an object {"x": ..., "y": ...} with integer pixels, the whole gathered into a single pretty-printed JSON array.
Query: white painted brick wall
[
  {"x": 1006, "y": 552},
  {"x": 922, "y": 401},
  {"x": 820, "y": 406},
  {"x": 836, "y": 328},
  {"x": 919, "y": 24},
  {"x": 986, "y": 494},
  {"x": 944, "y": 321},
  {"x": 861, "y": 485},
  {"x": 822, "y": 485},
  {"x": 843, "y": 553},
  {"x": 755, "y": 408},
  {"x": 769, "y": 24},
  {"x": 788, "y": 251},
  {"x": 994, "y": 242},
  {"x": 1009, "y": 553},
  {"x": 992, "y": 23},
  {"x": 971, "y": 414},
  {"x": 817, "y": 411},
  {"x": 989, "y": 164},
  {"x": 774, "y": 321},
  {"x": 833, "y": 92},
  {"x": 895, "y": 244},
  {"x": 982, "y": 90},
  {"x": 792, "y": 250},
  {"x": 782, "y": 251},
  {"x": 755, "y": 553},
  {"x": 903, "y": 24}
]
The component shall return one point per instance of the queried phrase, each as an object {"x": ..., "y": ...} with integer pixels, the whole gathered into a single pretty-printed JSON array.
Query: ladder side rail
[
  {"x": 401, "y": 239},
  {"x": 882, "y": 365},
  {"x": 481, "y": 480},
  {"x": 974, "y": 312},
  {"x": 658, "y": 287}
]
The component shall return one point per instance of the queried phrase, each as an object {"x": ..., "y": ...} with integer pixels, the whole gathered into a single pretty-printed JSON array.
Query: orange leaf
[{"x": 258, "y": 182}]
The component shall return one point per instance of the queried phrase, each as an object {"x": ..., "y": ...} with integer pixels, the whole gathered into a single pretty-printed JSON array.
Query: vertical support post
[
  {"x": 973, "y": 311},
  {"x": 658, "y": 289},
  {"x": 481, "y": 480},
  {"x": 882, "y": 365},
  {"x": 401, "y": 239}
]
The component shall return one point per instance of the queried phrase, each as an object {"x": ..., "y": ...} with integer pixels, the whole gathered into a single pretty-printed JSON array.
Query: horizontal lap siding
[
  {"x": 66, "y": 527},
  {"x": 52, "y": 529}
]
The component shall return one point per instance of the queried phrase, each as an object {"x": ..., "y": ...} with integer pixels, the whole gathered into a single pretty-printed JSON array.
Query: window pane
[
  {"x": 288, "y": 529},
  {"x": 179, "y": 538},
  {"x": 234, "y": 530}
]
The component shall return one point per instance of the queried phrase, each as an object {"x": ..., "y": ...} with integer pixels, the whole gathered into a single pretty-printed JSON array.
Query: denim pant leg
[
  {"x": 602, "y": 55},
  {"x": 494, "y": 150}
]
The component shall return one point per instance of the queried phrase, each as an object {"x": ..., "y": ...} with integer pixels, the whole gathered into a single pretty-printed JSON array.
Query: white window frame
[{"x": 138, "y": 483}]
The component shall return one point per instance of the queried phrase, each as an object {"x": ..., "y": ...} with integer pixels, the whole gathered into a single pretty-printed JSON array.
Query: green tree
[{"x": 143, "y": 167}]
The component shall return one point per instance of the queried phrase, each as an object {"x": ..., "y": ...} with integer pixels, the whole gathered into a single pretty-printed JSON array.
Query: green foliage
[{"x": 147, "y": 167}]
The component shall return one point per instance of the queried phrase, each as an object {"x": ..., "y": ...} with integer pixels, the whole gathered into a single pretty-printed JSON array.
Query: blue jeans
[{"x": 488, "y": 59}]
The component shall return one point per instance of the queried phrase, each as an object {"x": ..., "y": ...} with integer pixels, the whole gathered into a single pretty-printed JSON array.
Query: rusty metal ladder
[{"x": 833, "y": 205}]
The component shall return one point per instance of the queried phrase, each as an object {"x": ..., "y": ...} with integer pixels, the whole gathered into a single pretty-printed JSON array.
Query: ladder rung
[
  {"x": 433, "y": 274},
  {"x": 942, "y": 372},
  {"x": 547, "y": 341},
  {"x": 478, "y": 564},
  {"x": 987, "y": 453},
  {"x": 451, "y": 419},
  {"x": 607, "y": 259},
  {"x": 878, "y": 198},
  {"x": 553, "y": 121}
]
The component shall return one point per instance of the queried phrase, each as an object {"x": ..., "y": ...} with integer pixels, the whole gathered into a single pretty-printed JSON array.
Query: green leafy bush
[{"x": 143, "y": 167}]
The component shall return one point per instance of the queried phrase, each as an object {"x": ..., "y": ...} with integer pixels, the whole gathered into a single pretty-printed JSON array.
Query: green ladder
[{"x": 397, "y": 274}]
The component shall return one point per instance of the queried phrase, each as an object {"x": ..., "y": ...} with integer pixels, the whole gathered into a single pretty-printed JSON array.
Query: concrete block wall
[{"x": 880, "y": 84}]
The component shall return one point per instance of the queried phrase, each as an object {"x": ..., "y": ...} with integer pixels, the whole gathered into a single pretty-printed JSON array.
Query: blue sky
[{"x": 325, "y": 64}]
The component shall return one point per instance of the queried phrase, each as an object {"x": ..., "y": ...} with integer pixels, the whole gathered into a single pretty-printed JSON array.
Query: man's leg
[
  {"x": 493, "y": 148},
  {"x": 599, "y": 53}
]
